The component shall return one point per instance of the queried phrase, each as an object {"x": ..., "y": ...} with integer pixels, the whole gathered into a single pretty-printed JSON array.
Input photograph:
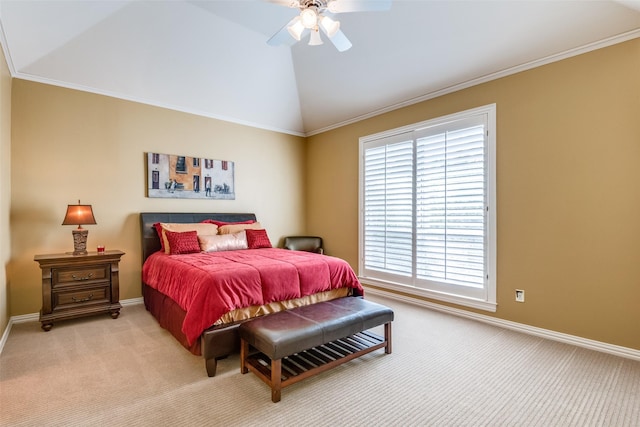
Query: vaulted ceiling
[{"x": 211, "y": 57}]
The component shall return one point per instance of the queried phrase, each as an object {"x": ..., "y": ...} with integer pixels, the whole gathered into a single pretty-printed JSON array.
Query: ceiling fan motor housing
[{"x": 319, "y": 5}]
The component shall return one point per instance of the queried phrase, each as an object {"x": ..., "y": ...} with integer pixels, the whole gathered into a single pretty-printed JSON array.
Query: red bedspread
[{"x": 208, "y": 285}]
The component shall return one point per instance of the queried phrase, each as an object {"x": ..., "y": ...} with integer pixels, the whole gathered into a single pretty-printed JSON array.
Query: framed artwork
[{"x": 183, "y": 177}]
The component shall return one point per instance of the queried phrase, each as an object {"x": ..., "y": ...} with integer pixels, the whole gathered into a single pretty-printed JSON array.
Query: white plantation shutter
[
  {"x": 388, "y": 207},
  {"x": 426, "y": 193},
  {"x": 450, "y": 205}
]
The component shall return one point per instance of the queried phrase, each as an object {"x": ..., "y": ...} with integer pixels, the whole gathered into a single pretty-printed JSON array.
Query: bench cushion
[{"x": 288, "y": 332}]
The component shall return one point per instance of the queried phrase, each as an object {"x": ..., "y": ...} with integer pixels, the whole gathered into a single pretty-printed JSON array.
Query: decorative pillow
[
  {"x": 158, "y": 228},
  {"x": 258, "y": 239},
  {"x": 185, "y": 242},
  {"x": 235, "y": 228},
  {"x": 198, "y": 227},
  {"x": 225, "y": 242},
  {"x": 221, "y": 223}
]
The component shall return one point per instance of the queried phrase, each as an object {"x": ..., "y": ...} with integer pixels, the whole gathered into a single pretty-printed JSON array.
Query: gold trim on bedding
[{"x": 274, "y": 307}]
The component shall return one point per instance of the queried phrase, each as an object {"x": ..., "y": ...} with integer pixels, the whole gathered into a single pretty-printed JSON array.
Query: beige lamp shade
[{"x": 77, "y": 215}]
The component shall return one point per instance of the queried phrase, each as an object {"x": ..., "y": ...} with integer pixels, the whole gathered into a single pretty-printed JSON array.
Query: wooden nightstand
[{"x": 79, "y": 285}]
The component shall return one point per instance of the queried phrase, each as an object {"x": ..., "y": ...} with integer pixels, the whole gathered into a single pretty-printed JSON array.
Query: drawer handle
[
  {"x": 89, "y": 298},
  {"x": 87, "y": 277}
]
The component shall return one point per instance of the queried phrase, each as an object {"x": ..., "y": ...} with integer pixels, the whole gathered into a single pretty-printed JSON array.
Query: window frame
[{"x": 485, "y": 300}]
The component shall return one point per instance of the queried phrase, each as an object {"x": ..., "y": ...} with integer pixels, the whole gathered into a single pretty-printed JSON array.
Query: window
[
  {"x": 181, "y": 164},
  {"x": 427, "y": 209}
]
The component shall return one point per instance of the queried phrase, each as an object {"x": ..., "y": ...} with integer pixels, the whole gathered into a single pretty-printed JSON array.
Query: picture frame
[{"x": 183, "y": 177}]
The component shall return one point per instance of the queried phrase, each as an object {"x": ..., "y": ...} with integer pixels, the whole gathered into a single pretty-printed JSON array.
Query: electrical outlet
[{"x": 519, "y": 295}]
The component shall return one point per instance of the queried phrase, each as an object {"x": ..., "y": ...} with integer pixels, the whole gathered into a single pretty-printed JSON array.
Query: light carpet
[{"x": 444, "y": 371}]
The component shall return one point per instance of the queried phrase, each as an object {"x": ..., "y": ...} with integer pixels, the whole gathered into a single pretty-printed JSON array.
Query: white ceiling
[{"x": 211, "y": 57}]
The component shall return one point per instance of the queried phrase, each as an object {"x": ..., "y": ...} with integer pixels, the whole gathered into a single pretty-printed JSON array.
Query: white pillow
[{"x": 223, "y": 242}]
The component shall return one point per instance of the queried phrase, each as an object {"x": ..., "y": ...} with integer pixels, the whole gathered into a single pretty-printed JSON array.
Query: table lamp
[{"x": 78, "y": 215}]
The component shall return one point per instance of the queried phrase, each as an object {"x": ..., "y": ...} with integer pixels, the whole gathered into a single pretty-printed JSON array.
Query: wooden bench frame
[{"x": 290, "y": 369}]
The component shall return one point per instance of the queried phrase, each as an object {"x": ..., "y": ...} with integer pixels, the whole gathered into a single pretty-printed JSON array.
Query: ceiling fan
[{"x": 316, "y": 15}]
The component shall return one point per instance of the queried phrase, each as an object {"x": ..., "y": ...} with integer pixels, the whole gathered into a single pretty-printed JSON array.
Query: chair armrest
[{"x": 304, "y": 243}]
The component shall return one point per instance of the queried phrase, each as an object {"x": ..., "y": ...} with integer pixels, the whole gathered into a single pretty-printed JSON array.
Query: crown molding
[
  {"x": 610, "y": 41},
  {"x": 620, "y": 38}
]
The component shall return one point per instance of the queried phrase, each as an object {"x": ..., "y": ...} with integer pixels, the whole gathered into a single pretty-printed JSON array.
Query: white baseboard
[
  {"x": 132, "y": 301},
  {"x": 615, "y": 350},
  {"x": 36, "y": 316}
]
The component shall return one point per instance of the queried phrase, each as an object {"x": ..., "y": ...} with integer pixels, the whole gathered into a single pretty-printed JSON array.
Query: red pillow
[
  {"x": 258, "y": 239},
  {"x": 158, "y": 228},
  {"x": 221, "y": 223},
  {"x": 185, "y": 242}
]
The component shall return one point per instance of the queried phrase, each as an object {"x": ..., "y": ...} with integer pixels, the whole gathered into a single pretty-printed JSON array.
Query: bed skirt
[{"x": 170, "y": 316}]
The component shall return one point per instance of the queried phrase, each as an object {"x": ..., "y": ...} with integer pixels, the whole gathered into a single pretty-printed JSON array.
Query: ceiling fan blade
[
  {"x": 288, "y": 3},
  {"x": 340, "y": 41},
  {"x": 343, "y": 6},
  {"x": 282, "y": 37}
]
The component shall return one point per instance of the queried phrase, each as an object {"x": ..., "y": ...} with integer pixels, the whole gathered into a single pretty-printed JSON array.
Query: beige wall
[
  {"x": 568, "y": 170},
  {"x": 69, "y": 145},
  {"x": 5, "y": 186},
  {"x": 568, "y": 184}
]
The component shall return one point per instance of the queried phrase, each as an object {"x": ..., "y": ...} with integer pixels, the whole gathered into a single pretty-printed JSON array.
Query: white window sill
[{"x": 386, "y": 287}]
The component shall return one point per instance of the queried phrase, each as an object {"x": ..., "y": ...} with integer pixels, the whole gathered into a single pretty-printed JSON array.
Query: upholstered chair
[{"x": 304, "y": 243}]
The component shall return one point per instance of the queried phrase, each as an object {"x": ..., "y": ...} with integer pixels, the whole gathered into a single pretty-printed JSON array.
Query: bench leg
[
  {"x": 244, "y": 353},
  {"x": 276, "y": 380},
  {"x": 211, "y": 366},
  {"x": 387, "y": 337}
]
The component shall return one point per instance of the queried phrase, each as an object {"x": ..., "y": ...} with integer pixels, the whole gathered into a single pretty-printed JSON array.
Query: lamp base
[{"x": 80, "y": 241}]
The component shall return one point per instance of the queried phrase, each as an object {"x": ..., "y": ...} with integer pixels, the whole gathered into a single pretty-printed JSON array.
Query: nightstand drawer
[
  {"x": 87, "y": 296},
  {"x": 66, "y": 276}
]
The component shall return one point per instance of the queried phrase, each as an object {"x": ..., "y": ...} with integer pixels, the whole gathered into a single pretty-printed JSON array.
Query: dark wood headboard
[{"x": 149, "y": 237}]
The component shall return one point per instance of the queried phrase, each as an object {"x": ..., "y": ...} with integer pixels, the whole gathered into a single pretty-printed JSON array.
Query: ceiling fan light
[
  {"x": 309, "y": 17},
  {"x": 315, "y": 39},
  {"x": 329, "y": 26},
  {"x": 296, "y": 28}
]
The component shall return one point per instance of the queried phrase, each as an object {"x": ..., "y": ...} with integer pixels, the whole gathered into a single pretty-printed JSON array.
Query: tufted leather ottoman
[{"x": 296, "y": 344}]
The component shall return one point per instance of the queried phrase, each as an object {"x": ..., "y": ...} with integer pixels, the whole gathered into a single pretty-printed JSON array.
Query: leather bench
[{"x": 286, "y": 347}]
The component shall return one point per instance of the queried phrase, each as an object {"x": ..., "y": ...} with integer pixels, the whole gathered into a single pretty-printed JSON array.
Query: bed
[{"x": 199, "y": 312}]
